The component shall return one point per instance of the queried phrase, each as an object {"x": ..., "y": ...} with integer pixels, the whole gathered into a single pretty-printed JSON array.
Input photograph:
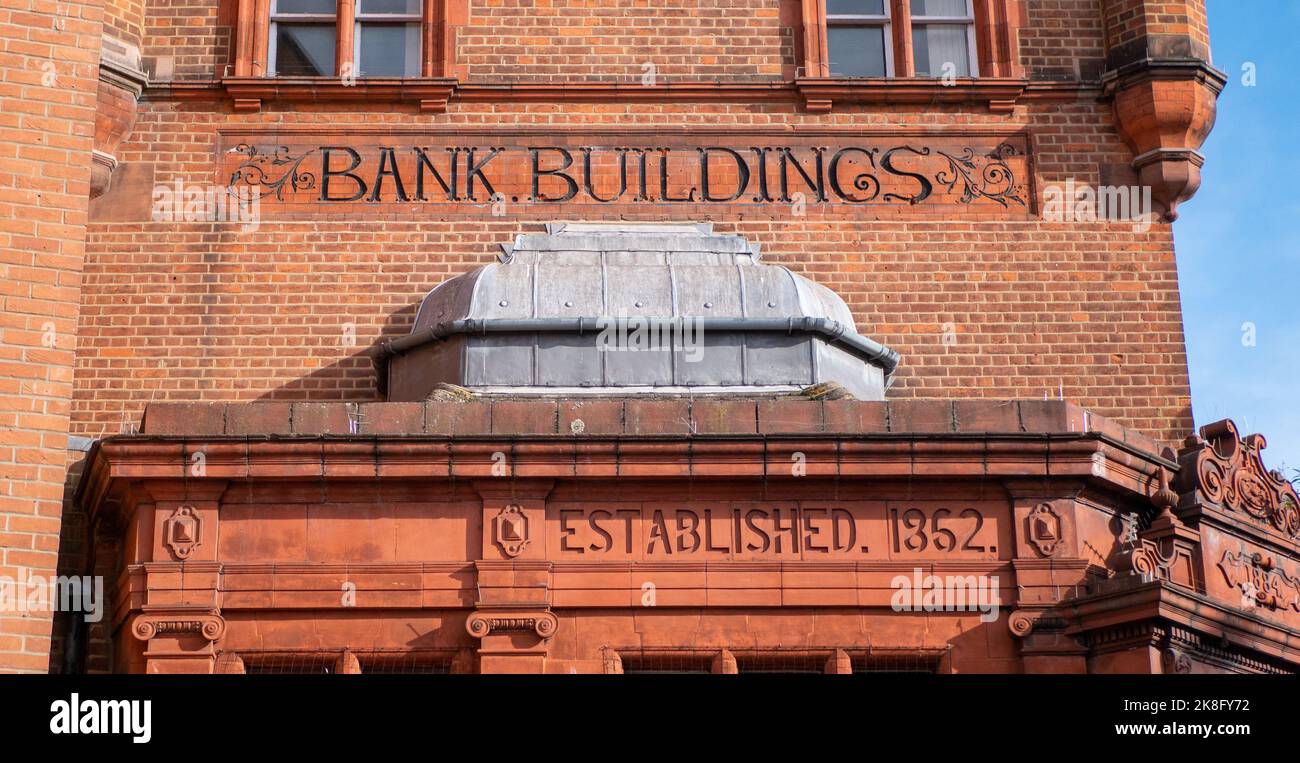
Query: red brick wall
[
  {"x": 1063, "y": 40},
  {"x": 1129, "y": 20},
  {"x": 559, "y": 40},
  {"x": 186, "y": 39},
  {"x": 48, "y": 75},
  {"x": 124, "y": 20},
  {"x": 615, "y": 40},
  {"x": 204, "y": 312}
]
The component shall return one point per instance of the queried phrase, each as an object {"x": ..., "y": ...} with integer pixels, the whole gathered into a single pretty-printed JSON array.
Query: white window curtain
[{"x": 942, "y": 38}]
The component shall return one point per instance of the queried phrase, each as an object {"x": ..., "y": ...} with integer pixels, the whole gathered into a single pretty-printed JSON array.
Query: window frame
[
  {"x": 275, "y": 18},
  {"x": 885, "y": 22},
  {"x": 359, "y": 19},
  {"x": 968, "y": 21},
  {"x": 255, "y": 49},
  {"x": 992, "y": 41}
]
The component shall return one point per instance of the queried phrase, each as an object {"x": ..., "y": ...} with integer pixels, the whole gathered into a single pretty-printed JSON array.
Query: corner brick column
[{"x": 51, "y": 80}]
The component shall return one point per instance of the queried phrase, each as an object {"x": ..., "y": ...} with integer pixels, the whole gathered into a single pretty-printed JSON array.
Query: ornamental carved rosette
[
  {"x": 1223, "y": 469},
  {"x": 1024, "y": 622}
]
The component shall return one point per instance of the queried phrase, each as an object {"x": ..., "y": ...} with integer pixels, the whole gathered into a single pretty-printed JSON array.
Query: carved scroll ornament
[
  {"x": 1227, "y": 470},
  {"x": 209, "y": 626},
  {"x": 544, "y": 624}
]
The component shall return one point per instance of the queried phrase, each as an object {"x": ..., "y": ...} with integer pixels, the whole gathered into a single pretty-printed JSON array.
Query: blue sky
[{"x": 1238, "y": 240}]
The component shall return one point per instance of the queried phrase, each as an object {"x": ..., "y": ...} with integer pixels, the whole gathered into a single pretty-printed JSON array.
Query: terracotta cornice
[
  {"x": 1000, "y": 95},
  {"x": 622, "y": 92},
  {"x": 1062, "y": 90},
  {"x": 1090, "y": 456},
  {"x": 1163, "y": 601},
  {"x": 119, "y": 65},
  {"x": 191, "y": 90},
  {"x": 240, "y": 131},
  {"x": 120, "y": 75},
  {"x": 454, "y": 585},
  {"x": 387, "y": 91},
  {"x": 1150, "y": 69}
]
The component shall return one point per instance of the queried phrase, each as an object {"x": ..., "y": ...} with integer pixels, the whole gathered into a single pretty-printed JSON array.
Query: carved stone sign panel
[
  {"x": 771, "y": 173},
  {"x": 1261, "y": 580},
  {"x": 807, "y": 530}
]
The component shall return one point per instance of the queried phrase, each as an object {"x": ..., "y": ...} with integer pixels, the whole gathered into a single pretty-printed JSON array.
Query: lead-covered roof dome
[{"x": 620, "y": 307}]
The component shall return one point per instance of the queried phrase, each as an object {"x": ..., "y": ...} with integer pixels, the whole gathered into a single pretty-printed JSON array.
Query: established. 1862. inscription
[{"x": 851, "y": 530}]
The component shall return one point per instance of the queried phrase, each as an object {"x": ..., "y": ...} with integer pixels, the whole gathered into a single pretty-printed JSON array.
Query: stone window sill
[
  {"x": 822, "y": 94},
  {"x": 247, "y": 93},
  {"x": 818, "y": 94}
]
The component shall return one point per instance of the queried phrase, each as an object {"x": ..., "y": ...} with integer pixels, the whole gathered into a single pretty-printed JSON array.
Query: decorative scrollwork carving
[
  {"x": 478, "y": 626},
  {"x": 544, "y": 624},
  {"x": 993, "y": 179},
  {"x": 547, "y": 625},
  {"x": 1146, "y": 562},
  {"x": 1025, "y": 621},
  {"x": 209, "y": 626},
  {"x": 1152, "y": 560},
  {"x": 1228, "y": 470},
  {"x": 1020, "y": 624},
  {"x": 271, "y": 173}
]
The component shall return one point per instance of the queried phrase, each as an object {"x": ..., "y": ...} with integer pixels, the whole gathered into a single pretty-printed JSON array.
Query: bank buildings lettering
[{"x": 905, "y": 173}]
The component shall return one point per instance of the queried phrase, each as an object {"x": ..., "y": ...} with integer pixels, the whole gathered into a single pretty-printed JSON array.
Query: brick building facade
[{"x": 390, "y": 147}]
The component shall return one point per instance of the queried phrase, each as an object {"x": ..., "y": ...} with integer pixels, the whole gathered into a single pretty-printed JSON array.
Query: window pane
[
  {"x": 304, "y": 50},
  {"x": 857, "y": 51},
  {"x": 855, "y": 7},
  {"x": 941, "y": 50},
  {"x": 303, "y": 6},
  {"x": 407, "y": 7},
  {"x": 948, "y": 8},
  {"x": 389, "y": 50}
]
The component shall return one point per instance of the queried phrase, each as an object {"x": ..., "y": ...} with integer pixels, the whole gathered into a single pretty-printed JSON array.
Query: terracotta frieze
[{"x": 821, "y": 171}]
